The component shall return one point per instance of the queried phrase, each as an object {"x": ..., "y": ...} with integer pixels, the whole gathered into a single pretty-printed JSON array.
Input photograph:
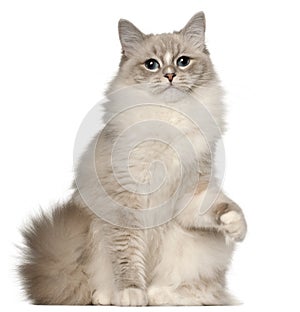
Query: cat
[{"x": 147, "y": 223}]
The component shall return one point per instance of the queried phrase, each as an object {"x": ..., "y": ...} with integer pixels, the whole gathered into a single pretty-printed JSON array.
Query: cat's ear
[
  {"x": 194, "y": 30},
  {"x": 130, "y": 36}
]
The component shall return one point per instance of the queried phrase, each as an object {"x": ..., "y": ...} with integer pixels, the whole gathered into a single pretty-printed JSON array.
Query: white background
[{"x": 56, "y": 60}]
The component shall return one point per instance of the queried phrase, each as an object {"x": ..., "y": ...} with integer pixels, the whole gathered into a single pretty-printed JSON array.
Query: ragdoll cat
[{"x": 147, "y": 223}]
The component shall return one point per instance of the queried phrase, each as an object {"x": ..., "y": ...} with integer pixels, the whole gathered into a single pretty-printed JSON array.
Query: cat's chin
[{"x": 171, "y": 94}]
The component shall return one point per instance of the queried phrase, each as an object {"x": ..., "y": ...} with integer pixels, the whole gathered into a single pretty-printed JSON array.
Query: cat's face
[{"x": 171, "y": 65}]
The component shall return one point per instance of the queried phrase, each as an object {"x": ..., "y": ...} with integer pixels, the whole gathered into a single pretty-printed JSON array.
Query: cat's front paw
[
  {"x": 130, "y": 296},
  {"x": 232, "y": 222},
  {"x": 159, "y": 296},
  {"x": 101, "y": 297}
]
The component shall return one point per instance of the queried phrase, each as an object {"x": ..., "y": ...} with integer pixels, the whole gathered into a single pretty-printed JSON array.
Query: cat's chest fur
[
  {"x": 145, "y": 127},
  {"x": 148, "y": 147}
]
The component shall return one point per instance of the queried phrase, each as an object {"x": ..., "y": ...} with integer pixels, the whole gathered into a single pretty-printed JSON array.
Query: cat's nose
[{"x": 170, "y": 76}]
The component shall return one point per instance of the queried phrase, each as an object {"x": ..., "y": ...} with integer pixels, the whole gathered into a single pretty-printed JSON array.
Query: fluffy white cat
[{"x": 147, "y": 223}]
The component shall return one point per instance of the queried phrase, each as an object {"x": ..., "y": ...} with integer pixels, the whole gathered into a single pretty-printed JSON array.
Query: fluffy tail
[{"x": 54, "y": 255}]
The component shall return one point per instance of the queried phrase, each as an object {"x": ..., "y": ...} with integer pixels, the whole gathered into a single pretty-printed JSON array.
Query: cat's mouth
[
  {"x": 170, "y": 92},
  {"x": 170, "y": 86},
  {"x": 173, "y": 88}
]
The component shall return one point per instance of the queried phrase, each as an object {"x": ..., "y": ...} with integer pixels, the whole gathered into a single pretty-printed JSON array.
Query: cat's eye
[
  {"x": 183, "y": 61},
  {"x": 152, "y": 64}
]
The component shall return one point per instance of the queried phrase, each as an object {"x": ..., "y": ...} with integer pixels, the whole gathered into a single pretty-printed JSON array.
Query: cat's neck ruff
[{"x": 203, "y": 106}]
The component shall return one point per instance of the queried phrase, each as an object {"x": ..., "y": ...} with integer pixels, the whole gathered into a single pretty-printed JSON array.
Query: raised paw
[
  {"x": 232, "y": 222},
  {"x": 130, "y": 296}
]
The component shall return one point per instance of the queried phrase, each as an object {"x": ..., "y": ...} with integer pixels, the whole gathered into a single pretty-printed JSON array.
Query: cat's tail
[{"x": 54, "y": 257}]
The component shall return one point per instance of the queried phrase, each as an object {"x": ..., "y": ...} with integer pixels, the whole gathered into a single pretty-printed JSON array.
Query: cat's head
[{"x": 171, "y": 65}]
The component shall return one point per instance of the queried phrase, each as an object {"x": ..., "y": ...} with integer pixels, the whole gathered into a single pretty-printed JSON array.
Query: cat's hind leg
[{"x": 190, "y": 294}]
